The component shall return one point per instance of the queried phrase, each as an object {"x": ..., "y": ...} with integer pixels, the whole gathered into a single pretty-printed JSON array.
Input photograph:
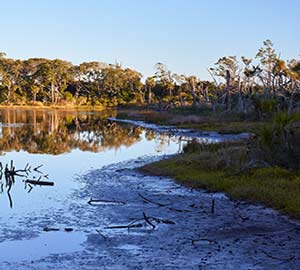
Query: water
[{"x": 67, "y": 144}]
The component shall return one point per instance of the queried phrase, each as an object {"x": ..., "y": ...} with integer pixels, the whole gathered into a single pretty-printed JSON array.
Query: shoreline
[
  {"x": 56, "y": 107},
  {"x": 200, "y": 169}
]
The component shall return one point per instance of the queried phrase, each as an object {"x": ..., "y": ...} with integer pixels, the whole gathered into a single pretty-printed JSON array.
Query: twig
[
  {"x": 124, "y": 226},
  {"x": 163, "y": 205},
  {"x": 150, "y": 201},
  {"x": 148, "y": 221},
  {"x": 38, "y": 182},
  {"x": 101, "y": 234},
  {"x": 276, "y": 258},
  {"x": 92, "y": 201},
  {"x": 36, "y": 169},
  {"x": 30, "y": 188},
  {"x": 213, "y": 205},
  {"x": 47, "y": 229},
  {"x": 204, "y": 239},
  {"x": 165, "y": 221}
]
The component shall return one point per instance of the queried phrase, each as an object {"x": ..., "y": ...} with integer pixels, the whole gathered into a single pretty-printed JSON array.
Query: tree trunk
[
  {"x": 52, "y": 92},
  {"x": 193, "y": 88},
  {"x": 228, "y": 105}
]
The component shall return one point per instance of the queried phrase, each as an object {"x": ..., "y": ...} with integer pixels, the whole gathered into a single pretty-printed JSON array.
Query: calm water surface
[{"x": 67, "y": 144}]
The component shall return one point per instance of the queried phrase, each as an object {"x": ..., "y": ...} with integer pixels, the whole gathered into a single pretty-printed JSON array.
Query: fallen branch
[
  {"x": 101, "y": 234},
  {"x": 124, "y": 226},
  {"x": 40, "y": 183},
  {"x": 148, "y": 221},
  {"x": 150, "y": 201},
  {"x": 93, "y": 201},
  {"x": 47, "y": 229},
  {"x": 277, "y": 258},
  {"x": 162, "y": 205},
  {"x": 165, "y": 221},
  {"x": 213, "y": 205},
  {"x": 204, "y": 239}
]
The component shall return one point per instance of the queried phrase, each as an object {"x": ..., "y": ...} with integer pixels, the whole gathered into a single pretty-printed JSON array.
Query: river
[{"x": 90, "y": 155}]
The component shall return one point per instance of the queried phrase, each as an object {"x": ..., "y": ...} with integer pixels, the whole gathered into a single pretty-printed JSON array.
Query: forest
[{"x": 264, "y": 83}]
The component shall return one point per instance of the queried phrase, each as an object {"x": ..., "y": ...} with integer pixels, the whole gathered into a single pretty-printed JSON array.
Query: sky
[{"x": 188, "y": 36}]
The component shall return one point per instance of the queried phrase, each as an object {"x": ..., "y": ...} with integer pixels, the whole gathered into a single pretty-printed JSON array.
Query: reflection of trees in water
[{"x": 56, "y": 132}]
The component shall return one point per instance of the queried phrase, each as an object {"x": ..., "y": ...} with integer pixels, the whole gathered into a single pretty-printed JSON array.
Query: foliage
[
  {"x": 264, "y": 84},
  {"x": 279, "y": 144}
]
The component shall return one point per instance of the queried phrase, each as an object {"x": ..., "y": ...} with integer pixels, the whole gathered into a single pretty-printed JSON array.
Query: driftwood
[
  {"x": 148, "y": 221},
  {"x": 194, "y": 241},
  {"x": 150, "y": 201},
  {"x": 162, "y": 205},
  {"x": 95, "y": 201},
  {"x": 47, "y": 229},
  {"x": 10, "y": 172},
  {"x": 101, "y": 234},
  {"x": 164, "y": 221},
  {"x": 125, "y": 226},
  {"x": 38, "y": 182},
  {"x": 279, "y": 259},
  {"x": 213, "y": 205}
]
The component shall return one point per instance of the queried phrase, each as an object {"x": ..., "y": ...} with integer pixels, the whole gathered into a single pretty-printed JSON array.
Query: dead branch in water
[
  {"x": 36, "y": 169},
  {"x": 213, "y": 205},
  {"x": 279, "y": 259},
  {"x": 125, "y": 226},
  {"x": 204, "y": 239},
  {"x": 94, "y": 201},
  {"x": 47, "y": 229},
  {"x": 148, "y": 221},
  {"x": 101, "y": 234},
  {"x": 38, "y": 182}
]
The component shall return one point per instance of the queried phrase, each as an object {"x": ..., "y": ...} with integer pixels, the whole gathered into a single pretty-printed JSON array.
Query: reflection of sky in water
[
  {"x": 62, "y": 169},
  {"x": 44, "y": 245},
  {"x": 68, "y": 144},
  {"x": 80, "y": 141}
]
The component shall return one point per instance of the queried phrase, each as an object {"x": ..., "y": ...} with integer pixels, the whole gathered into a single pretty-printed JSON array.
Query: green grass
[
  {"x": 225, "y": 124},
  {"x": 213, "y": 170}
]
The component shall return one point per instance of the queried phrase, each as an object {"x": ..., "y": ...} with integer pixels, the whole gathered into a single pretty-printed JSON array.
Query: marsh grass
[
  {"x": 187, "y": 118},
  {"x": 218, "y": 168}
]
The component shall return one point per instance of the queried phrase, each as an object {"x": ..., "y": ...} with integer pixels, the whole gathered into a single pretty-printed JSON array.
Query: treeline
[{"x": 263, "y": 83}]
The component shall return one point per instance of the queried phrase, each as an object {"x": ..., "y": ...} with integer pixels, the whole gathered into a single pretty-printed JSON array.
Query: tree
[
  {"x": 149, "y": 85},
  {"x": 268, "y": 58}
]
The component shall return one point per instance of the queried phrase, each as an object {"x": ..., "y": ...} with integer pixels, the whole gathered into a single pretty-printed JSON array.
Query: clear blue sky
[{"x": 186, "y": 35}]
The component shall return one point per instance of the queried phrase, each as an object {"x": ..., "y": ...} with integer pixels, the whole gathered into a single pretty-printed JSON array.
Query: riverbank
[
  {"x": 220, "y": 171},
  {"x": 56, "y": 107},
  {"x": 188, "y": 118},
  {"x": 187, "y": 235},
  {"x": 229, "y": 168}
]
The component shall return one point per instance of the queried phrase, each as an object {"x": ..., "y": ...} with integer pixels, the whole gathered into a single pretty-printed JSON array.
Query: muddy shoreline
[
  {"x": 237, "y": 236},
  {"x": 174, "y": 226}
]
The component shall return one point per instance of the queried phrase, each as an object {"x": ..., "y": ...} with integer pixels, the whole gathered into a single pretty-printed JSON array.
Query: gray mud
[{"x": 236, "y": 236}]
